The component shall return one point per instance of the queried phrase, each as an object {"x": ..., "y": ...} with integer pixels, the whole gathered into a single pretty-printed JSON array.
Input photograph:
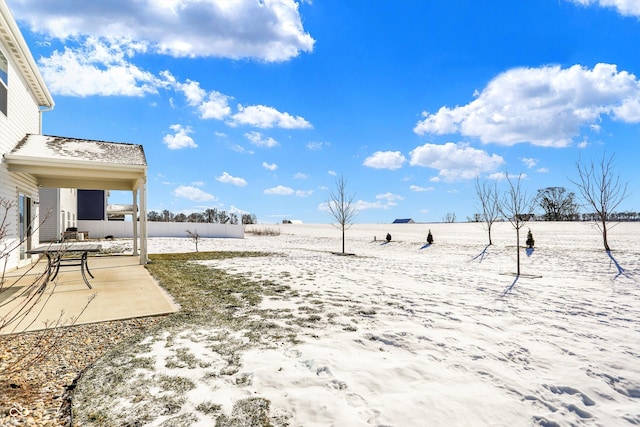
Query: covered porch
[
  {"x": 62, "y": 162},
  {"x": 122, "y": 289}
]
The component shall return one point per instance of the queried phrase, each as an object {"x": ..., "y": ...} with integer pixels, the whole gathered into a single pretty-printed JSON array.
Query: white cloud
[
  {"x": 304, "y": 193},
  {"x": 385, "y": 160},
  {"x": 332, "y": 173},
  {"x": 215, "y": 106},
  {"x": 389, "y": 197},
  {"x": 499, "y": 176},
  {"x": 529, "y": 162},
  {"x": 455, "y": 161},
  {"x": 104, "y": 68},
  {"x": 192, "y": 91},
  {"x": 317, "y": 146},
  {"x": 624, "y": 7},
  {"x": 180, "y": 139},
  {"x": 257, "y": 139},
  {"x": 237, "y": 211},
  {"x": 547, "y": 106},
  {"x": 240, "y": 149},
  {"x": 280, "y": 190},
  {"x": 324, "y": 207},
  {"x": 269, "y": 30},
  {"x": 269, "y": 166},
  {"x": 419, "y": 189},
  {"x": 300, "y": 175},
  {"x": 383, "y": 201},
  {"x": 228, "y": 179},
  {"x": 193, "y": 193},
  {"x": 98, "y": 68},
  {"x": 362, "y": 205},
  {"x": 210, "y": 105},
  {"x": 264, "y": 117}
]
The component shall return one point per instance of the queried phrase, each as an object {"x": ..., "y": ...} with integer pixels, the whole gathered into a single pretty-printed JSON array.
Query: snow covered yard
[{"x": 397, "y": 334}]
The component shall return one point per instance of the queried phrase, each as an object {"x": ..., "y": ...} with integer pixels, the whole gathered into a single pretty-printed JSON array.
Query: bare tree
[
  {"x": 194, "y": 236},
  {"x": 601, "y": 190},
  {"x": 450, "y": 217},
  {"x": 489, "y": 201},
  {"x": 341, "y": 205},
  {"x": 558, "y": 204},
  {"x": 249, "y": 219},
  {"x": 516, "y": 205},
  {"x": 23, "y": 295}
]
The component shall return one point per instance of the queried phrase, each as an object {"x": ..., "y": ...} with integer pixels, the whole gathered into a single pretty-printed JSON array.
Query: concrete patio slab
[{"x": 122, "y": 287}]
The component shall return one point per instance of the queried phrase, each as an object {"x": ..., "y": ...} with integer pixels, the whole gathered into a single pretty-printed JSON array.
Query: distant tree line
[
  {"x": 211, "y": 216},
  {"x": 558, "y": 204}
]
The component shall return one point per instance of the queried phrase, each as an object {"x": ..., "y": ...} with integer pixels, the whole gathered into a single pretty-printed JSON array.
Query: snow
[{"x": 429, "y": 336}]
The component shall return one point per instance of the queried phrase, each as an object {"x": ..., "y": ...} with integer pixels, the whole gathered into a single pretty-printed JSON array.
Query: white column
[
  {"x": 134, "y": 221},
  {"x": 143, "y": 222}
]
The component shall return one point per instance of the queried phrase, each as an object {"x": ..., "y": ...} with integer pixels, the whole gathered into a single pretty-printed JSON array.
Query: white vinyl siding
[
  {"x": 49, "y": 213},
  {"x": 4, "y": 83},
  {"x": 23, "y": 117}
]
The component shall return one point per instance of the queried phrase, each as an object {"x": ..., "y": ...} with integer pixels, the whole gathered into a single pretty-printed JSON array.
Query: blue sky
[{"x": 259, "y": 106}]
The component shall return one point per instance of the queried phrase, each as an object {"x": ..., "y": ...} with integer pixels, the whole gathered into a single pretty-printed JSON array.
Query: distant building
[
  {"x": 403, "y": 221},
  {"x": 292, "y": 221}
]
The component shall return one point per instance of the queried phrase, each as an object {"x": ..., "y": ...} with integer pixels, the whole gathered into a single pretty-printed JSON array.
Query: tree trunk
[
  {"x": 518, "y": 250},
  {"x": 604, "y": 236}
]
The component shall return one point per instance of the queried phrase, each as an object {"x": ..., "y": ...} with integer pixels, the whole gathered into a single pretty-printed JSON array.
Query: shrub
[
  {"x": 267, "y": 231},
  {"x": 530, "y": 242}
]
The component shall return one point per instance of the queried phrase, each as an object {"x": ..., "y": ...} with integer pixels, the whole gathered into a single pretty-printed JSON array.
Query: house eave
[
  {"x": 22, "y": 56},
  {"x": 78, "y": 174}
]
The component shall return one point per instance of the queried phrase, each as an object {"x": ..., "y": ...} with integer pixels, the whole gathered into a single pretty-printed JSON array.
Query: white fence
[{"x": 124, "y": 229}]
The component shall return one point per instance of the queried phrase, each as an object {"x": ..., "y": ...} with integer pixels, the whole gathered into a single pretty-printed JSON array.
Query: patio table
[{"x": 55, "y": 254}]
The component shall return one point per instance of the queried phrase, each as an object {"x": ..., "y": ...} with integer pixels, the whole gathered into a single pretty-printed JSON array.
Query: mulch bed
[{"x": 39, "y": 392}]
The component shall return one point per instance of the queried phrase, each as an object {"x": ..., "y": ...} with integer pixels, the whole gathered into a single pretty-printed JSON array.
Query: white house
[
  {"x": 23, "y": 98},
  {"x": 58, "y": 211},
  {"x": 31, "y": 160}
]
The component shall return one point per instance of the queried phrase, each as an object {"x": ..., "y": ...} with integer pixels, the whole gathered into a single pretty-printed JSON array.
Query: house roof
[
  {"x": 403, "y": 221},
  {"x": 121, "y": 209},
  {"x": 64, "y": 162},
  {"x": 17, "y": 47},
  {"x": 65, "y": 148}
]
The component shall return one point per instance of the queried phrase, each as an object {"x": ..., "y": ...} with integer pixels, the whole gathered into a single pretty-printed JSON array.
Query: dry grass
[
  {"x": 262, "y": 231},
  {"x": 224, "y": 305}
]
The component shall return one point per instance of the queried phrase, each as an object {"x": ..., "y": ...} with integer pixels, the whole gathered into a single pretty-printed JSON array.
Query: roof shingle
[{"x": 63, "y": 148}]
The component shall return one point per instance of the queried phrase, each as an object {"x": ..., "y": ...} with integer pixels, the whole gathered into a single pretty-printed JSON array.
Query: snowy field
[{"x": 409, "y": 335}]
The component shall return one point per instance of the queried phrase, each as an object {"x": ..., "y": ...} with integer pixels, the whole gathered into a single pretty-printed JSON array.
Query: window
[{"x": 4, "y": 83}]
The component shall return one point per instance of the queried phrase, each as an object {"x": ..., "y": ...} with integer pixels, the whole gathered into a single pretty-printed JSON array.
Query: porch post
[
  {"x": 134, "y": 221},
  {"x": 144, "y": 233}
]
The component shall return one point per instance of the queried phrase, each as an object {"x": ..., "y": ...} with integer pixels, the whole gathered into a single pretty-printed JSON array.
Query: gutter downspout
[{"x": 42, "y": 109}]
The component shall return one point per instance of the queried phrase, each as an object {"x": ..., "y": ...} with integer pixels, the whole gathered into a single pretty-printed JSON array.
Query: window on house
[{"x": 4, "y": 83}]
